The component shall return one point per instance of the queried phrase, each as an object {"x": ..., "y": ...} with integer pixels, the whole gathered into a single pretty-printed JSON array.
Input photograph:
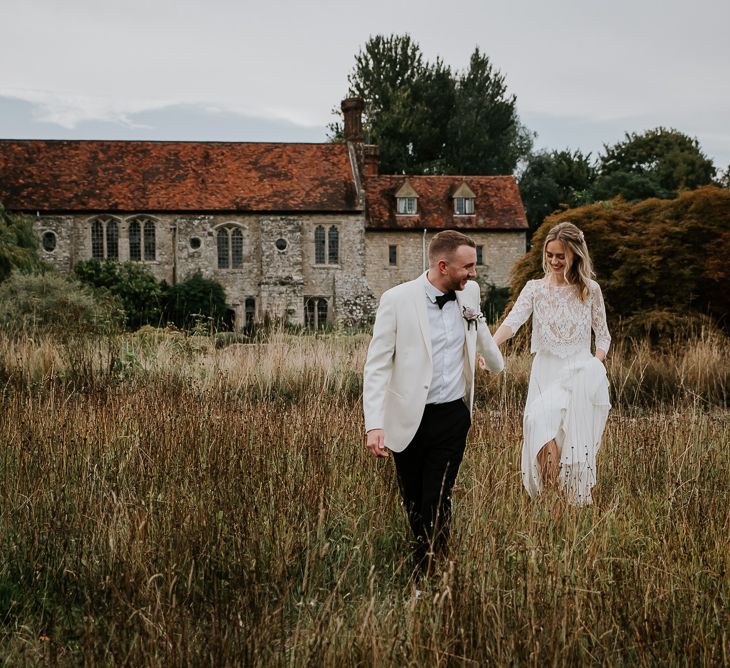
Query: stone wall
[
  {"x": 500, "y": 251},
  {"x": 280, "y": 278}
]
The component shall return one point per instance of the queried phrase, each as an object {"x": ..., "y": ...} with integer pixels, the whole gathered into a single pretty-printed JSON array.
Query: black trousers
[{"x": 427, "y": 471}]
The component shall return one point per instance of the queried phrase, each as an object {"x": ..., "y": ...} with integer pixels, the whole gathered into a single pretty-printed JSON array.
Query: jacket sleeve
[
  {"x": 379, "y": 364},
  {"x": 485, "y": 343}
]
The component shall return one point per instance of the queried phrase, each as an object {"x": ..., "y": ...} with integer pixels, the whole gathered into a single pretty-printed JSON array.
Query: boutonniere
[{"x": 472, "y": 316}]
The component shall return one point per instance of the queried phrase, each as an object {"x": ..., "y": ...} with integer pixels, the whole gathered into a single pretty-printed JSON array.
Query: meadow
[{"x": 165, "y": 501}]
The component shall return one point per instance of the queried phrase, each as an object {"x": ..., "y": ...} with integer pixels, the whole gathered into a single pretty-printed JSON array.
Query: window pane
[
  {"x": 321, "y": 313},
  {"x": 223, "y": 249},
  {"x": 149, "y": 240},
  {"x": 135, "y": 243},
  {"x": 333, "y": 246},
  {"x": 319, "y": 245},
  {"x": 112, "y": 240},
  {"x": 392, "y": 255},
  {"x": 411, "y": 205},
  {"x": 469, "y": 205},
  {"x": 250, "y": 311},
  {"x": 459, "y": 206},
  {"x": 480, "y": 254},
  {"x": 97, "y": 240},
  {"x": 236, "y": 249},
  {"x": 309, "y": 312}
]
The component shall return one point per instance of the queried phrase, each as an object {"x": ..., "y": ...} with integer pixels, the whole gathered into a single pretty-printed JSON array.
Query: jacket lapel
[
  {"x": 419, "y": 297},
  {"x": 470, "y": 334}
]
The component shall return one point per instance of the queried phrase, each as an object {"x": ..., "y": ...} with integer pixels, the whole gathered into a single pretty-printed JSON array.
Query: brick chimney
[
  {"x": 370, "y": 160},
  {"x": 352, "y": 109}
]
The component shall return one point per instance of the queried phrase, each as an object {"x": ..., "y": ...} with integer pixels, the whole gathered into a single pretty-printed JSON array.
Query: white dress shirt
[{"x": 446, "y": 327}]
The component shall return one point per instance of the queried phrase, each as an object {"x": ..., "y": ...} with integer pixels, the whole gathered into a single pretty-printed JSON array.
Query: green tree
[
  {"x": 18, "y": 244},
  {"x": 426, "y": 119},
  {"x": 485, "y": 135},
  {"x": 134, "y": 285},
  {"x": 196, "y": 298},
  {"x": 554, "y": 180},
  {"x": 655, "y": 163}
]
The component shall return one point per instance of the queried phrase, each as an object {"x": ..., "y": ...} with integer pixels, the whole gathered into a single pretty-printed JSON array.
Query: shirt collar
[{"x": 431, "y": 291}]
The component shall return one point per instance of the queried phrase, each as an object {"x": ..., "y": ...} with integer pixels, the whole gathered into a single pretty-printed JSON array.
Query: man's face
[{"x": 460, "y": 267}]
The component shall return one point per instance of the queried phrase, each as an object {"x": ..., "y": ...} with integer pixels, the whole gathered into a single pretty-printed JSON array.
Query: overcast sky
[{"x": 583, "y": 71}]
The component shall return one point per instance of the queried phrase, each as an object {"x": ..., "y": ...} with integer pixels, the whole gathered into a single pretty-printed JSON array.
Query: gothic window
[
  {"x": 112, "y": 240},
  {"x": 236, "y": 248},
  {"x": 250, "y": 311},
  {"x": 321, "y": 313},
  {"x": 149, "y": 240},
  {"x": 333, "y": 245},
  {"x": 230, "y": 247},
  {"x": 315, "y": 312},
  {"x": 135, "y": 241},
  {"x": 97, "y": 240},
  {"x": 319, "y": 245},
  {"x": 223, "y": 261},
  {"x": 105, "y": 239}
]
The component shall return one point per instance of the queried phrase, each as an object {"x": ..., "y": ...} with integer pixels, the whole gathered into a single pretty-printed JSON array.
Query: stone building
[{"x": 306, "y": 232}]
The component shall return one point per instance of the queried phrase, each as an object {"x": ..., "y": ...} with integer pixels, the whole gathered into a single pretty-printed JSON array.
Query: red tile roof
[
  {"x": 39, "y": 175},
  {"x": 498, "y": 205}
]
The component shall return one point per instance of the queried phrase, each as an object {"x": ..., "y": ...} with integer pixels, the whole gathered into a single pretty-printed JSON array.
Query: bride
[{"x": 567, "y": 400}]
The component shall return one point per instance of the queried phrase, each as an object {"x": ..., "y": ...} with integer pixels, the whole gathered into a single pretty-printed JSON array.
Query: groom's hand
[{"x": 375, "y": 442}]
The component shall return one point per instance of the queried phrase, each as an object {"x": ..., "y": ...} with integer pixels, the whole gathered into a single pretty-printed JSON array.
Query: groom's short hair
[{"x": 446, "y": 242}]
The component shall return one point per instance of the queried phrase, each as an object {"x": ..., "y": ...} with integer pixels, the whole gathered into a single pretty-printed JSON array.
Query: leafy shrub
[
  {"x": 18, "y": 244},
  {"x": 139, "y": 292},
  {"x": 652, "y": 257},
  {"x": 196, "y": 301},
  {"x": 51, "y": 303}
]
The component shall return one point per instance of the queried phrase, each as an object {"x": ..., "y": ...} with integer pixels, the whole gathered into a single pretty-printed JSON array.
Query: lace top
[{"x": 561, "y": 322}]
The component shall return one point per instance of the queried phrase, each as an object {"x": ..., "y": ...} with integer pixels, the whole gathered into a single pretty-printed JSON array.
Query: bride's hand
[{"x": 481, "y": 363}]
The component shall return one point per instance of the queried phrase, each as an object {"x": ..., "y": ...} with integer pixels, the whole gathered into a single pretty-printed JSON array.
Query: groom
[{"x": 419, "y": 383}]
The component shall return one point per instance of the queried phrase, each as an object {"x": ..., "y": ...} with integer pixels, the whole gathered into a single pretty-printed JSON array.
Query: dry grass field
[{"x": 164, "y": 502}]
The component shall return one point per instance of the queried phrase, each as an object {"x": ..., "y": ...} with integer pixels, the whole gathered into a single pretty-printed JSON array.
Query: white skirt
[{"x": 567, "y": 401}]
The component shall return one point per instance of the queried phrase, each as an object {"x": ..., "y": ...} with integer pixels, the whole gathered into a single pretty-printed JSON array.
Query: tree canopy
[{"x": 427, "y": 119}]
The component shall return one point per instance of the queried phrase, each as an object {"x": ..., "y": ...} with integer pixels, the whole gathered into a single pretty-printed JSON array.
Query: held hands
[{"x": 375, "y": 442}]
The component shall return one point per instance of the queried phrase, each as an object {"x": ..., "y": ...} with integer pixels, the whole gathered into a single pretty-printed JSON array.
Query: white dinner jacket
[{"x": 399, "y": 366}]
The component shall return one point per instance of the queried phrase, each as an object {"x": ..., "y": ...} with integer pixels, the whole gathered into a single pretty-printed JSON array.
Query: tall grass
[{"x": 164, "y": 502}]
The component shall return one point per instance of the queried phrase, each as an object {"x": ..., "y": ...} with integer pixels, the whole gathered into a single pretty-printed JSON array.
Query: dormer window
[
  {"x": 464, "y": 200},
  {"x": 407, "y": 206},
  {"x": 406, "y": 200}
]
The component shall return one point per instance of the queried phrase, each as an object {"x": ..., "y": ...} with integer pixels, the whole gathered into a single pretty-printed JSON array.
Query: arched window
[
  {"x": 105, "y": 238},
  {"x": 319, "y": 257},
  {"x": 149, "y": 240},
  {"x": 135, "y": 242},
  {"x": 223, "y": 246},
  {"x": 112, "y": 240},
  {"x": 315, "y": 312},
  {"x": 230, "y": 247},
  {"x": 333, "y": 245},
  {"x": 250, "y": 311},
  {"x": 321, "y": 313},
  {"x": 236, "y": 248},
  {"x": 97, "y": 240}
]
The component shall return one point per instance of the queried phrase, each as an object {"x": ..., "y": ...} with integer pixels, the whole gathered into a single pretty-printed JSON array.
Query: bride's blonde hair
[{"x": 580, "y": 271}]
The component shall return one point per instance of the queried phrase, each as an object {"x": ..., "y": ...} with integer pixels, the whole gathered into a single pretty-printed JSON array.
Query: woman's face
[{"x": 558, "y": 256}]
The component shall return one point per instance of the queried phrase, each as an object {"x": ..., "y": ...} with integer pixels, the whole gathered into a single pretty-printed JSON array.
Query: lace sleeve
[
  {"x": 522, "y": 309},
  {"x": 598, "y": 320}
]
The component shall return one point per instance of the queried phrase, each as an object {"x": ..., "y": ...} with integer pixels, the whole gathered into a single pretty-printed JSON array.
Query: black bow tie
[{"x": 446, "y": 297}]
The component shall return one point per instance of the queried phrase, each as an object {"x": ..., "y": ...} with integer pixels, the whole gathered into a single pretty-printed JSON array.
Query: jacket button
[{"x": 425, "y": 387}]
